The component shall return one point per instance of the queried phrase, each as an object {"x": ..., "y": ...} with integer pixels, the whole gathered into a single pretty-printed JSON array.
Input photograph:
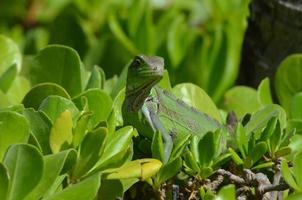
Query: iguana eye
[{"x": 136, "y": 63}]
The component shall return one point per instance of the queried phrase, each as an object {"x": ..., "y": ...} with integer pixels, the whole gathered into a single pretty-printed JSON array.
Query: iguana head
[{"x": 143, "y": 73}]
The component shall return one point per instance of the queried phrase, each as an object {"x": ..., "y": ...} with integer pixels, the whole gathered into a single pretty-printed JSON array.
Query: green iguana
[{"x": 149, "y": 108}]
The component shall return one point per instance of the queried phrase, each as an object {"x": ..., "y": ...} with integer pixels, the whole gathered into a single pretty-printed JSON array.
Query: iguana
[{"x": 149, "y": 108}]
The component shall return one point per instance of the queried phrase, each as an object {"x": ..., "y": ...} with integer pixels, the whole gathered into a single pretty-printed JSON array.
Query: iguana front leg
[{"x": 149, "y": 111}]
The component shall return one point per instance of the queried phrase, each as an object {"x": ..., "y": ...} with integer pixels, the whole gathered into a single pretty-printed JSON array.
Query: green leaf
[
  {"x": 81, "y": 128},
  {"x": 168, "y": 171},
  {"x": 157, "y": 146},
  {"x": 4, "y": 182},
  {"x": 164, "y": 83},
  {"x": 71, "y": 31},
  {"x": 9, "y": 54},
  {"x": 97, "y": 78},
  {"x": 7, "y": 78},
  {"x": 61, "y": 132},
  {"x": 116, "y": 143},
  {"x": 40, "y": 126},
  {"x": 84, "y": 190},
  {"x": 17, "y": 91},
  {"x": 241, "y": 140},
  {"x": 295, "y": 196},
  {"x": 288, "y": 80},
  {"x": 263, "y": 166},
  {"x": 13, "y": 129},
  {"x": 198, "y": 98},
  {"x": 58, "y": 64},
  {"x": 227, "y": 193},
  {"x": 206, "y": 148},
  {"x": 296, "y": 144},
  {"x": 269, "y": 129},
  {"x": 142, "y": 169},
  {"x": 179, "y": 144},
  {"x": 25, "y": 167},
  {"x": 295, "y": 125},
  {"x": 191, "y": 162},
  {"x": 264, "y": 93},
  {"x": 89, "y": 152},
  {"x": 260, "y": 118},
  {"x": 54, "y": 105},
  {"x": 116, "y": 29},
  {"x": 235, "y": 157},
  {"x": 39, "y": 92},
  {"x": 275, "y": 139},
  {"x": 237, "y": 99},
  {"x": 178, "y": 40},
  {"x": 99, "y": 102},
  {"x": 117, "y": 111},
  {"x": 255, "y": 154},
  {"x": 297, "y": 169},
  {"x": 53, "y": 166},
  {"x": 287, "y": 175},
  {"x": 111, "y": 189},
  {"x": 295, "y": 106}
]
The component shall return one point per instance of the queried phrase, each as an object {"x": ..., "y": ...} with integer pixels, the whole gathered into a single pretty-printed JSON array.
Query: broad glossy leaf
[
  {"x": 117, "y": 109},
  {"x": 287, "y": 175},
  {"x": 111, "y": 189},
  {"x": 84, "y": 190},
  {"x": 18, "y": 89},
  {"x": 296, "y": 144},
  {"x": 40, "y": 126},
  {"x": 157, "y": 146},
  {"x": 97, "y": 78},
  {"x": 141, "y": 169},
  {"x": 264, "y": 93},
  {"x": 81, "y": 128},
  {"x": 241, "y": 100},
  {"x": 295, "y": 124},
  {"x": 168, "y": 171},
  {"x": 179, "y": 144},
  {"x": 98, "y": 102},
  {"x": 226, "y": 193},
  {"x": 115, "y": 143},
  {"x": 53, "y": 167},
  {"x": 25, "y": 167},
  {"x": 295, "y": 106},
  {"x": 288, "y": 80},
  {"x": 206, "y": 148},
  {"x": 54, "y": 105},
  {"x": 58, "y": 64},
  {"x": 4, "y": 182},
  {"x": 39, "y": 92},
  {"x": 198, "y": 98},
  {"x": 297, "y": 169},
  {"x": 61, "y": 132},
  {"x": 7, "y": 78},
  {"x": 260, "y": 118},
  {"x": 14, "y": 128},
  {"x": 255, "y": 154},
  {"x": 89, "y": 152},
  {"x": 9, "y": 54}
]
